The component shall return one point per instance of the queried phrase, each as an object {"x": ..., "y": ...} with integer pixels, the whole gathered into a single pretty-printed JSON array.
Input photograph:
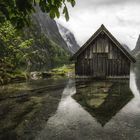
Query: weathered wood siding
[{"x": 102, "y": 58}]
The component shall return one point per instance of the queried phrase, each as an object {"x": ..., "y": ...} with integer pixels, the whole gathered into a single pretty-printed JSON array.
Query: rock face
[
  {"x": 136, "y": 51},
  {"x": 53, "y": 48},
  {"x": 126, "y": 47},
  {"x": 56, "y": 32},
  {"x": 69, "y": 38},
  {"x": 48, "y": 27}
]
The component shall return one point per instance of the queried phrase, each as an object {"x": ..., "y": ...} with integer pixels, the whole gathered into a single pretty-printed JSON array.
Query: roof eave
[{"x": 103, "y": 28}]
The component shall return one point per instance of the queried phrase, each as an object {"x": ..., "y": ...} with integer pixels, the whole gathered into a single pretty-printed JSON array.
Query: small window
[
  {"x": 110, "y": 56},
  {"x": 102, "y": 46},
  {"x": 94, "y": 48},
  {"x": 90, "y": 53},
  {"x": 106, "y": 46},
  {"x": 113, "y": 54},
  {"x": 99, "y": 46},
  {"x": 86, "y": 55}
]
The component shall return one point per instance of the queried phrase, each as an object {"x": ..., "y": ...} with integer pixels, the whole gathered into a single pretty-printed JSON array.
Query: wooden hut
[{"x": 102, "y": 56}]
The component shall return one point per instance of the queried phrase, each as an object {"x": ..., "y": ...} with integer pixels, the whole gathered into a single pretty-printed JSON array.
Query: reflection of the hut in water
[{"x": 103, "y": 99}]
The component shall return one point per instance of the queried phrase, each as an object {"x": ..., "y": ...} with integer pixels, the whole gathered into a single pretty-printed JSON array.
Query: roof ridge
[{"x": 100, "y": 29}]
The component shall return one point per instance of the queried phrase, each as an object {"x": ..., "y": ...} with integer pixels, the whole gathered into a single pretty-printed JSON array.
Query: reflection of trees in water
[
  {"x": 136, "y": 69},
  {"x": 103, "y": 99}
]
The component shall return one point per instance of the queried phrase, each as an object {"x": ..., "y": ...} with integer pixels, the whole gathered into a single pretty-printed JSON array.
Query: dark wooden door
[{"x": 99, "y": 65}]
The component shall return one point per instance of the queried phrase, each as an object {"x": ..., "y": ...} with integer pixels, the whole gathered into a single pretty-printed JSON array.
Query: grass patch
[
  {"x": 63, "y": 70},
  {"x": 58, "y": 72},
  {"x": 8, "y": 77}
]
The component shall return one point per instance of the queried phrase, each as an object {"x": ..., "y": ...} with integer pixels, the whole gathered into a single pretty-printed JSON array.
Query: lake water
[
  {"x": 100, "y": 117},
  {"x": 84, "y": 110}
]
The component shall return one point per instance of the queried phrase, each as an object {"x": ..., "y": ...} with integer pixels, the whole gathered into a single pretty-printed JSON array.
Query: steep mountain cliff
[
  {"x": 69, "y": 38},
  {"x": 126, "y": 47},
  {"x": 52, "y": 49},
  {"x": 48, "y": 27},
  {"x": 136, "y": 51}
]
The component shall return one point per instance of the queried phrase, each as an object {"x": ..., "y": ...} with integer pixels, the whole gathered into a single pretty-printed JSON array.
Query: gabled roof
[{"x": 114, "y": 40}]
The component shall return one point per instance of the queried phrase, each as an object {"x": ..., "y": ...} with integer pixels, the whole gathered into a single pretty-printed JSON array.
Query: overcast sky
[{"x": 121, "y": 18}]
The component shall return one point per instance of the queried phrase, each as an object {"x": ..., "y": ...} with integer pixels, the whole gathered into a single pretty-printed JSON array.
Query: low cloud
[
  {"x": 106, "y": 2},
  {"x": 121, "y": 17}
]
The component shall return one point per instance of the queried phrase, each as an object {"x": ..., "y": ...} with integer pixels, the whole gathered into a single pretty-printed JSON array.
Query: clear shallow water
[
  {"x": 26, "y": 107},
  {"x": 69, "y": 110},
  {"x": 72, "y": 120}
]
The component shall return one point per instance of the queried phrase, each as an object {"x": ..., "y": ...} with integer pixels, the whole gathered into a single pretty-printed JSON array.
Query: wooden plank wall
[{"x": 102, "y": 58}]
